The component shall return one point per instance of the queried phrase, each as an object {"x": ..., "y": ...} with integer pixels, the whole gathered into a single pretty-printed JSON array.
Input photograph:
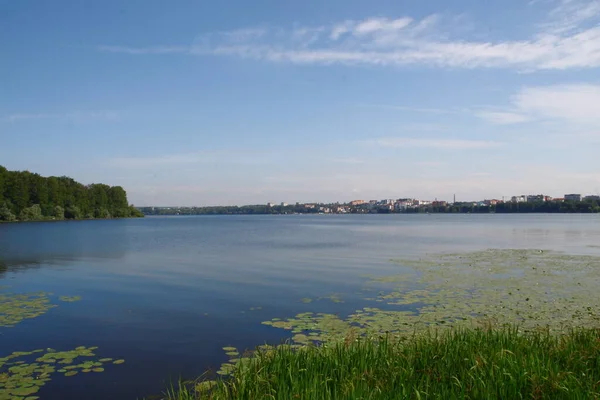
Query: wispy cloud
[
  {"x": 570, "y": 38},
  {"x": 572, "y": 103},
  {"x": 71, "y": 116},
  {"x": 447, "y": 144},
  {"x": 502, "y": 118},
  {"x": 570, "y": 15},
  {"x": 576, "y": 102}
]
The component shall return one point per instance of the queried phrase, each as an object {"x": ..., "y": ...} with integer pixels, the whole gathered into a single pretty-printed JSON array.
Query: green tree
[
  {"x": 3, "y": 177},
  {"x": 73, "y": 212},
  {"x": 6, "y": 213},
  {"x": 59, "y": 212},
  {"x": 33, "y": 213}
]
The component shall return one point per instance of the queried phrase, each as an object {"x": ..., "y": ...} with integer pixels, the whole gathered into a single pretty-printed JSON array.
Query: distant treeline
[
  {"x": 228, "y": 210},
  {"x": 592, "y": 206},
  {"x": 25, "y": 196}
]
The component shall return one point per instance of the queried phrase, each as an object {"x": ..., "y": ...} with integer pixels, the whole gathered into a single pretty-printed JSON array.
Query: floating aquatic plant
[
  {"x": 15, "y": 308},
  {"x": 531, "y": 288},
  {"x": 69, "y": 299},
  {"x": 23, "y": 373}
]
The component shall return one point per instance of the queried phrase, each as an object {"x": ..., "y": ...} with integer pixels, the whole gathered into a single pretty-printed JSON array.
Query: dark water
[{"x": 167, "y": 293}]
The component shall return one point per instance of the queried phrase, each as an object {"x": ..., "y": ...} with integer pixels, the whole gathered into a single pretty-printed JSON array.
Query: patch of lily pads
[
  {"x": 24, "y": 373},
  {"x": 16, "y": 307},
  {"x": 531, "y": 288},
  {"x": 335, "y": 298},
  {"x": 69, "y": 299},
  {"x": 534, "y": 289}
]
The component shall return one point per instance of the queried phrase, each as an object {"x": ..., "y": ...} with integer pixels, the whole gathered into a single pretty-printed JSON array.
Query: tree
[
  {"x": 3, "y": 176},
  {"x": 58, "y": 197},
  {"x": 33, "y": 213},
  {"x": 6, "y": 214},
  {"x": 73, "y": 212},
  {"x": 59, "y": 212}
]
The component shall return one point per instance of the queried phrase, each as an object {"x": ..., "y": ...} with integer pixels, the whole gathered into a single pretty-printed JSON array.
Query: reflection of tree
[{"x": 26, "y": 246}]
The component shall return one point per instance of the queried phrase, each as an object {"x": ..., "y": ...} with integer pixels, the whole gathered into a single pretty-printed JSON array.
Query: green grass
[{"x": 457, "y": 364}]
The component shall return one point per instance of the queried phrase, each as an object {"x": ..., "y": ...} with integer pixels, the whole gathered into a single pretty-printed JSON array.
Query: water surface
[{"x": 167, "y": 293}]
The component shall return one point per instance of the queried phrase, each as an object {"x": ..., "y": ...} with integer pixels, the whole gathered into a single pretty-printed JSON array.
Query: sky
[{"x": 192, "y": 103}]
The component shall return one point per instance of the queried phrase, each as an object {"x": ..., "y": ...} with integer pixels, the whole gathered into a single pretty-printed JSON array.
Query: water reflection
[{"x": 33, "y": 244}]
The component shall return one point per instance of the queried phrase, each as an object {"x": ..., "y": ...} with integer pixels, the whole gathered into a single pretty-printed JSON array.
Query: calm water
[{"x": 167, "y": 293}]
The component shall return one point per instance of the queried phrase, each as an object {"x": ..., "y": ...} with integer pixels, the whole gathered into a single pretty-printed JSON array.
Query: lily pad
[{"x": 69, "y": 299}]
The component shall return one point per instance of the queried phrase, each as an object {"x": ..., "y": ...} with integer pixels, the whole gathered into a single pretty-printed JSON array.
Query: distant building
[
  {"x": 592, "y": 198},
  {"x": 357, "y": 202},
  {"x": 572, "y": 197},
  {"x": 532, "y": 198},
  {"x": 558, "y": 199},
  {"x": 519, "y": 199},
  {"x": 283, "y": 204},
  {"x": 403, "y": 204},
  {"x": 491, "y": 202},
  {"x": 270, "y": 205}
]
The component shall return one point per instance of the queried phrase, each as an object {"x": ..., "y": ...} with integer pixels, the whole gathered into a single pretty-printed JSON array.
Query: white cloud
[
  {"x": 448, "y": 144},
  {"x": 575, "y": 105},
  {"x": 569, "y": 15},
  {"x": 578, "y": 103},
  {"x": 374, "y": 25},
  {"x": 569, "y": 39}
]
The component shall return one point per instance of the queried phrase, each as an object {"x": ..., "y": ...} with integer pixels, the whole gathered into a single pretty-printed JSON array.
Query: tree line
[
  {"x": 26, "y": 196},
  {"x": 228, "y": 210},
  {"x": 589, "y": 206}
]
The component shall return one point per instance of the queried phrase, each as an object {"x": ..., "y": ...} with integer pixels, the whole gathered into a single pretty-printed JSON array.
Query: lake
[{"x": 167, "y": 293}]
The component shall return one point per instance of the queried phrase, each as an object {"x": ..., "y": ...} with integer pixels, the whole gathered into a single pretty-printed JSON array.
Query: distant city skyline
[
  {"x": 232, "y": 102},
  {"x": 512, "y": 198}
]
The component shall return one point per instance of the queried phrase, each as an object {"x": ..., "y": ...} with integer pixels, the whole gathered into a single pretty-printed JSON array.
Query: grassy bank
[{"x": 463, "y": 363}]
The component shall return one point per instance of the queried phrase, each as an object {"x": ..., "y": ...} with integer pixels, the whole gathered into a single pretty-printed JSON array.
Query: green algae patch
[
  {"x": 520, "y": 297},
  {"x": 24, "y": 373},
  {"x": 14, "y": 308},
  {"x": 533, "y": 289},
  {"x": 69, "y": 299}
]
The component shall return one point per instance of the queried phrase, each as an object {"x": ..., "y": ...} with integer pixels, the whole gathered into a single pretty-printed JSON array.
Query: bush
[
  {"x": 73, "y": 212},
  {"x": 33, "y": 213},
  {"x": 6, "y": 214},
  {"x": 59, "y": 212},
  {"x": 101, "y": 213}
]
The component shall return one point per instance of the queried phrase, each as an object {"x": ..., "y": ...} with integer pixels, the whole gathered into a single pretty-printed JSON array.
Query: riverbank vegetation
[
  {"x": 496, "y": 323},
  {"x": 26, "y": 196},
  {"x": 583, "y": 207},
  {"x": 476, "y": 364}
]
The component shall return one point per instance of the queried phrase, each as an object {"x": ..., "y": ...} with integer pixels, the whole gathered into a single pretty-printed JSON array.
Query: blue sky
[{"x": 237, "y": 102}]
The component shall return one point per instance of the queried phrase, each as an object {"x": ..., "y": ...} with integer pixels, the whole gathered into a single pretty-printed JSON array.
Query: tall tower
[{"x": 454, "y": 198}]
